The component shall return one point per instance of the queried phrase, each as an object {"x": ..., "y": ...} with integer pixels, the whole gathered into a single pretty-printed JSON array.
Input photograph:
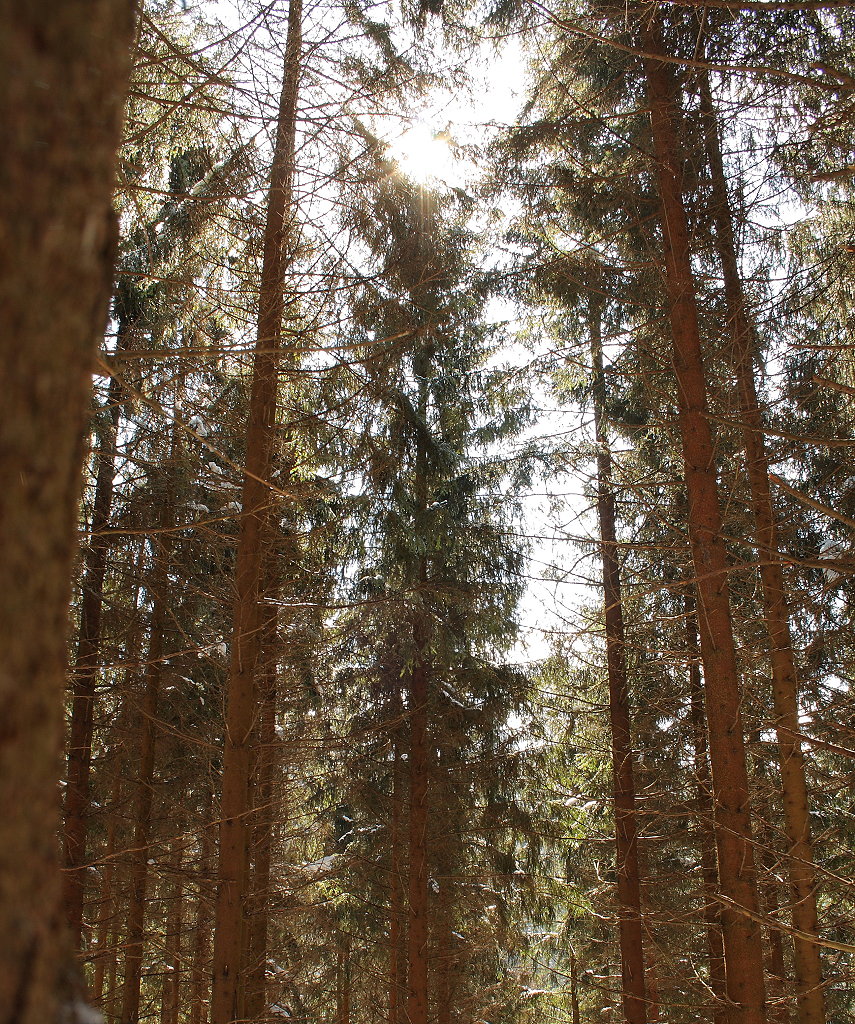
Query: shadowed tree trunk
[
  {"x": 135, "y": 927},
  {"x": 86, "y": 666},
  {"x": 704, "y": 800},
  {"x": 63, "y": 77},
  {"x": 737, "y": 873},
  {"x": 634, "y": 990},
  {"x": 776, "y": 612},
  {"x": 242, "y": 701}
]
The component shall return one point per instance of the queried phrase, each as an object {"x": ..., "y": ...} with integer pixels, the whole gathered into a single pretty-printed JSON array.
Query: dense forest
[{"x": 427, "y": 499}]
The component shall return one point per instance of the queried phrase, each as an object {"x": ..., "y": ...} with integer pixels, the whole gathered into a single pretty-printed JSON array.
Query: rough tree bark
[
  {"x": 776, "y": 612},
  {"x": 63, "y": 78},
  {"x": 635, "y": 996},
  {"x": 737, "y": 872},
  {"x": 704, "y": 801},
  {"x": 138, "y": 870},
  {"x": 242, "y": 701}
]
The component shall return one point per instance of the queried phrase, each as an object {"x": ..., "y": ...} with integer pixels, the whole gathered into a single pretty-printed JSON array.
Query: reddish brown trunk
[
  {"x": 171, "y": 990},
  {"x": 202, "y": 940},
  {"x": 737, "y": 875},
  {"x": 86, "y": 670},
  {"x": 63, "y": 78},
  {"x": 262, "y": 841},
  {"x": 107, "y": 901},
  {"x": 706, "y": 836},
  {"x": 785, "y": 685},
  {"x": 417, "y": 940},
  {"x": 396, "y": 981},
  {"x": 246, "y": 635},
  {"x": 635, "y": 996},
  {"x": 135, "y": 926}
]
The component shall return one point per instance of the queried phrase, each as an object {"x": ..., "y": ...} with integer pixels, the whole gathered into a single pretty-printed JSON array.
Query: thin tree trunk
[
  {"x": 342, "y": 1015},
  {"x": 574, "y": 990},
  {"x": 737, "y": 873},
  {"x": 418, "y": 932},
  {"x": 635, "y": 996},
  {"x": 704, "y": 800},
  {"x": 246, "y": 636},
  {"x": 785, "y": 686},
  {"x": 202, "y": 940},
  {"x": 106, "y": 907},
  {"x": 396, "y": 966},
  {"x": 135, "y": 927},
  {"x": 86, "y": 670},
  {"x": 262, "y": 837},
  {"x": 63, "y": 78},
  {"x": 174, "y": 917}
]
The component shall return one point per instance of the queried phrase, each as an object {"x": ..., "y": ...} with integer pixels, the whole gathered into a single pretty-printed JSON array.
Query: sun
[{"x": 424, "y": 154}]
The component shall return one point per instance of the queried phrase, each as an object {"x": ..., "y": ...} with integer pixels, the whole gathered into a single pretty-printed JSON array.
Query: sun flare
[{"x": 424, "y": 154}]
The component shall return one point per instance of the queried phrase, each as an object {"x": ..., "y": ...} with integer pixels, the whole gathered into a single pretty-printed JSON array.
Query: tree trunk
[
  {"x": 397, "y": 982},
  {"x": 246, "y": 637},
  {"x": 776, "y": 612},
  {"x": 86, "y": 670},
  {"x": 63, "y": 77},
  {"x": 418, "y": 932},
  {"x": 737, "y": 874},
  {"x": 262, "y": 837},
  {"x": 135, "y": 927},
  {"x": 106, "y": 905},
  {"x": 706, "y": 837},
  {"x": 635, "y": 1004},
  {"x": 170, "y": 1001},
  {"x": 202, "y": 940}
]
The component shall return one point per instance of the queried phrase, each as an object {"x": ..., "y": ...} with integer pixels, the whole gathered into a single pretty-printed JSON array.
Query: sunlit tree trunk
[
  {"x": 635, "y": 996},
  {"x": 63, "y": 78},
  {"x": 776, "y": 612},
  {"x": 242, "y": 702},
  {"x": 737, "y": 873}
]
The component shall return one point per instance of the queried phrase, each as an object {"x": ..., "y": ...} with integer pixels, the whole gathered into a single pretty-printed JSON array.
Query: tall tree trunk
[
  {"x": 635, "y": 996},
  {"x": 737, "y": 873},
  {"x": 202, "y": 940},
  {"x": 776, "y": 612},
  {"x": 263, "y": 835},
  {"x": 418, "y": 931},
  {"x": 86, "y": 668},
  {"x": 170, "y": 1000},
  {"x": 63, "y": 77},
  {"x": 704, "y": 801},
  {"x": 246, "y": 636},
  {"x": 159, "y": 588},
  {"x": 107, "y": 901},
  {"x": 397, "y": 967}
]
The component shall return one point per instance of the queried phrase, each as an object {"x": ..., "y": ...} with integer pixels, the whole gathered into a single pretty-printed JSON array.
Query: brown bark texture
[
  {"x": 63, "y": 78},
  {"x": 262, "y": 840},
  {"x": 86, "y": 670},
  {"x": 418, "y": 932},
  {"x": 704, "y": 800},
  {"x": 634, "y": 989},
  {"x": 147, "y": 744},
  {"x": 242, "y": 702},
  {"x": 737, "y": 872},
  {"x": 776, "y": 611}
]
